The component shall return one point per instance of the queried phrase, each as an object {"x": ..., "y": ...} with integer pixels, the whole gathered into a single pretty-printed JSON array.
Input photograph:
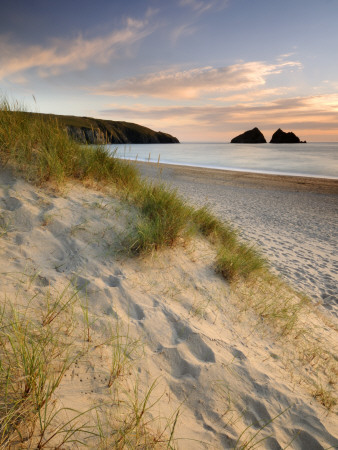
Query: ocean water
[{"x": 311, "y": 159}]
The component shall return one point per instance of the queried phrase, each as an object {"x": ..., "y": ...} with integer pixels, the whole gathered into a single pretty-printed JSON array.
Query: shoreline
[{"x": 243, "y": 178}]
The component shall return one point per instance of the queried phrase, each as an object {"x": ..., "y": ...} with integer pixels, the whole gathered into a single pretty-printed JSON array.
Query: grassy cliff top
[{"x": 91, "y": 130}]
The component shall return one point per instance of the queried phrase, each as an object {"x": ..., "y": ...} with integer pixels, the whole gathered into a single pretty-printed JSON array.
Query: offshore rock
[
  {"x": 281, "y": 137},
  {"x": 254, "y": 136}
]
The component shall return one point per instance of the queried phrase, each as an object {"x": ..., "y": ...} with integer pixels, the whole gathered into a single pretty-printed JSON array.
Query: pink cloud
[
  {"x": 313, "y": 117},
  {"x": 193, "y": 83},
  {"x": 64, "y": 55}
]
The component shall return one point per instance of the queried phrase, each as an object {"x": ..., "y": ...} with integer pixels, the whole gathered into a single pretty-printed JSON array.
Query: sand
[
  {"x": 231, "y": 379},
  {"x": 293, "y": 220}
]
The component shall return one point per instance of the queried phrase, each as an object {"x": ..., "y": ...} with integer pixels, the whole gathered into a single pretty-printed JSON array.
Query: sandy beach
[
  {"x": 232, "y": 379},
  {"x": 293, "y": 220}
]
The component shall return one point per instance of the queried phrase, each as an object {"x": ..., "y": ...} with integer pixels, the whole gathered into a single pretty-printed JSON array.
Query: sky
[{"x": 202, "y": 70}]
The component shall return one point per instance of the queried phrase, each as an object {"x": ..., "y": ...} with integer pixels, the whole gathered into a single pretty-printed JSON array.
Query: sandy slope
[
  {"x": 292, "y": 219},
  {"x": 218, "y": 363}
]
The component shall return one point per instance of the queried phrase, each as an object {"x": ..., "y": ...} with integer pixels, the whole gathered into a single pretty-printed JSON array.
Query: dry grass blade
[{"x": 30, "y": 372}]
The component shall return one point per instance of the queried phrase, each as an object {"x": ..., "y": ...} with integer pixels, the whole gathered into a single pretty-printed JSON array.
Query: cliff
[
  {"x": 254, "y": 136},
  {"x": 95, "y": 131}
]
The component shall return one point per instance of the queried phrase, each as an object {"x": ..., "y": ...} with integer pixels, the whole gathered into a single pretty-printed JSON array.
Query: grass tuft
[
  {"x": 325, "y": 397},
  {"x": 163, "y": 220},
  {"x": 33, "y": 361},
  {"x": 211, "y": 227},
  {"x": 238, "y": 261}
]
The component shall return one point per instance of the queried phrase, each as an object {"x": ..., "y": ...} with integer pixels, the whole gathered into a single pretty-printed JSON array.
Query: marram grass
[
  {"x": 41, "y": 150},
  {"x": 164, "y": 217}
]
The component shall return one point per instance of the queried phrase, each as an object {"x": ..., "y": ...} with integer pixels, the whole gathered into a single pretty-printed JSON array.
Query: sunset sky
[{"x": 202, "y": 70}]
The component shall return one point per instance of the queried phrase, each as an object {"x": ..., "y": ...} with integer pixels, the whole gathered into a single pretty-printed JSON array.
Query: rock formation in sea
[
  {"x": 254, "y": 136},
  {"x": 281, "y": 137}
]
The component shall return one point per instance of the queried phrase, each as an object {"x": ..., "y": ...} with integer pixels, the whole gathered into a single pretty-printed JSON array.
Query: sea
[{"x": 318, "y": 160}]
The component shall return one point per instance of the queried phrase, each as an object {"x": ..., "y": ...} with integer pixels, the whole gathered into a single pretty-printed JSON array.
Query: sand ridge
[{"x": 225, "y": 372}]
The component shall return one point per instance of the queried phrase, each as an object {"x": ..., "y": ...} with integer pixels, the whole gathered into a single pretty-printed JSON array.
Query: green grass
[
  {"x": 238, "y": 260},
  {"x": 42, "y": 151},
  {"x": 35, "y": 355},
  {"x": 211, "y": 227},
  {"x": 37, "y": 146},
  {"x": 33, "y": 360},
  {"x": 164, "y": 218}
]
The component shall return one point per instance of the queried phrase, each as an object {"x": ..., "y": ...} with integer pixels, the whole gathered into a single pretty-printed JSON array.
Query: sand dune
[
  {"x": 292, "y": 219},
  {"x": 232, "y": 380}
]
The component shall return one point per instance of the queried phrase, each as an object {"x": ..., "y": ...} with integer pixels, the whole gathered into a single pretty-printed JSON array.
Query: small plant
[
  {"x": 131, "y": 427},
  {"x": 5, "y": 225},
  {"x": 68, "y": 432},
  {"x": 239, "y": 260},
  {"x": 54, "y": 307},
  {"x": 78, "y": 227},
  {"x": 210, "y": 226},
  {"x": 33, "y": 362},
  {"x": 164, "y": 218},
  {"x": 47, "y": 219},
  {"x": 87, "y": 322},
  {"x": 247, "y": 441},
  {"x": 325, "y": 397},
  {"x": 124, "y": 349}
]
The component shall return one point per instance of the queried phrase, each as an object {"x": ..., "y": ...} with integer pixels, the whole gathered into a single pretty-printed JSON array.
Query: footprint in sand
[
  {"x": 256, "y": 413},
  {"x": 112, "y": 281},
  {"x": 194, "y": 342},
  {"x": 179, "y": 367},
  {"x": 12, "y": 203},
  {"x": 304, "y": 440},
  {"x": 238, "y": 354}
]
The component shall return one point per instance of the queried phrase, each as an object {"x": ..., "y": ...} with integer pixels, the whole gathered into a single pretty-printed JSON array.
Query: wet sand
[{"x": 292, "y": 219}]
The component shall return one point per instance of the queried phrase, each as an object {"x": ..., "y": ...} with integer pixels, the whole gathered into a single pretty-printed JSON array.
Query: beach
[
  {"x": 169, "y": 225},
  {"x": 293, "y": 220},
  {"x": 217, "y": 373}
]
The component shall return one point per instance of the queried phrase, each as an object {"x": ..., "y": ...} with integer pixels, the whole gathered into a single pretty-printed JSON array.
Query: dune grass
[
  {"x": 33, "y": 360},
  {"x": 33, "y": 356},
  {"x": 42, "y": 151},
  {"x": 164, "y": 218}
]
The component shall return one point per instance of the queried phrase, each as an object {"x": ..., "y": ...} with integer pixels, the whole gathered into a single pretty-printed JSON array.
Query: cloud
[
  {"x": 182, "y": 30},
  {"x": 62, "y": 54},
  {"x": 313, "y": 116},
  {"x": 194, "y": 83},
  {"x": 202, "y": 6},
  {"x": 198, "y": 7},
  {"x": 254, "y": 95}
]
